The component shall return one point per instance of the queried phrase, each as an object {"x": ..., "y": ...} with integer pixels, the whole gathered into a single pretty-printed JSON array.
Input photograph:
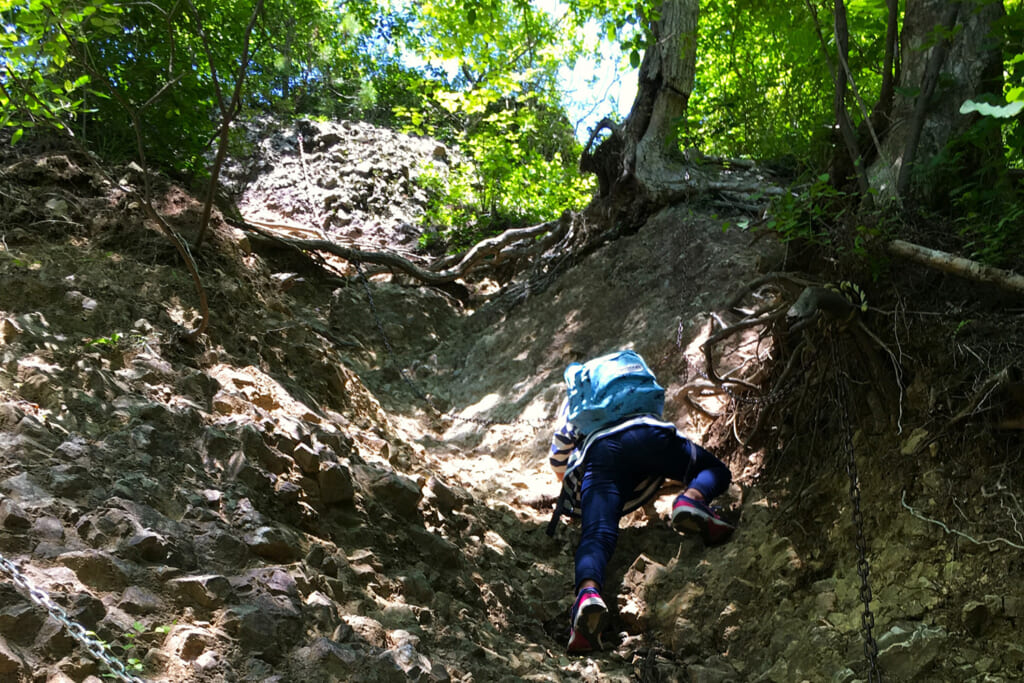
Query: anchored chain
[
  {"x": 772, "y": 397},
  {"x": 95, "y": 647},
  {"x": 867, "y": 620}
]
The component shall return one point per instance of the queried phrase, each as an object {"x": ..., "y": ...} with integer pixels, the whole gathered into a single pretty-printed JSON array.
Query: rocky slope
[{"x": 277, "y": 502}]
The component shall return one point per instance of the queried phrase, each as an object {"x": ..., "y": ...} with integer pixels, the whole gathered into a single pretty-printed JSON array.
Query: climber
[{"x": 614, "y": 469}]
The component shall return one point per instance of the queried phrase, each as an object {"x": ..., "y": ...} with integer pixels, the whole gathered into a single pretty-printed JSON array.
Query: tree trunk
[
  {"x": 948, "y": 56},
  {"x": 645, "y": 150},
  {"x": 659, "y": 165}
]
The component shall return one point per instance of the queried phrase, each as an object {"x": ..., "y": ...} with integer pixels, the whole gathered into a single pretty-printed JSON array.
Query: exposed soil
[{"x": 283, "y": 499}]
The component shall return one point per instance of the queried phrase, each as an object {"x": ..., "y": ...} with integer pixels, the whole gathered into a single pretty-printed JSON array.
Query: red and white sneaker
[
  {"x": 589, "y": 619},
  {"x": 691, "y": 516}
]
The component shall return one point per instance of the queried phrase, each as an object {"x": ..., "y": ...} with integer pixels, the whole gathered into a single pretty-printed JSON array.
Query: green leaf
[
  {"x": 17, "y": 135},
  {"x": 997, "y": 111},
  {"x": 634, "y": 59}
]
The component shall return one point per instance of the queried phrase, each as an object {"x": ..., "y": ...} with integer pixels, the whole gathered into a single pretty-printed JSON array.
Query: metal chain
[
  {"x": 867, "y": 620},
  {"x": 419, "y": 393},
  {"x": 772, "y": 397},
  {"x": 94, "y": 646}
]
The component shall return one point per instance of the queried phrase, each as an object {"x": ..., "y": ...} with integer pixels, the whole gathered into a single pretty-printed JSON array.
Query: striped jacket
[{"x": 569, "y": 451}]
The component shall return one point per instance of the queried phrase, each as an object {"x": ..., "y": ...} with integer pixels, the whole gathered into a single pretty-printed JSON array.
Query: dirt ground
[{"x": 345, "y": 482}]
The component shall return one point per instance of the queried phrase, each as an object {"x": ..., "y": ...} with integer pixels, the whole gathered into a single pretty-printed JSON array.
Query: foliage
[
  {"x": 808, "y": 215},
  {"x": 129, "y": 647},
  {"x": 499, "y": 104},
  {"x": 38, "y": 81},
  {"x": 174, "y": 64},
  {"x": 764, "y": 84},
  {"x": 482, "y": 75},
  {"x": 503, "y": 182},
  {"x": 973, "y": 186}
]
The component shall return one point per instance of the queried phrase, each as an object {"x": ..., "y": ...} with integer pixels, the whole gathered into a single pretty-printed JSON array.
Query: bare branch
[
  {"x": 227, "y": 115},
  {"x": 956, "y": 265},
  {"x": 500, "y": 247}
]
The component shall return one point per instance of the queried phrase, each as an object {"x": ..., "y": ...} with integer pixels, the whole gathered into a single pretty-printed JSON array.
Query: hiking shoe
[
  {"x": 691, "y": 516},
  {"x": 589, "y": 619}
]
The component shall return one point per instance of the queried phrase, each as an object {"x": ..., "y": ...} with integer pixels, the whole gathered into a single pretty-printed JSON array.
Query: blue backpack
[{"x": 610, "y": 388}]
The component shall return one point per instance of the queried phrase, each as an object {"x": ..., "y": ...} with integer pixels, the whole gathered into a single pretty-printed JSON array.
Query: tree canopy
[{"x": 773, "y": 81}]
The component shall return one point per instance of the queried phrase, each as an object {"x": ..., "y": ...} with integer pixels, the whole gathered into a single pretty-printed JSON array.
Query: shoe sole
[
  {"x": 590, "y": 624},
  {"x": 695, "y": 522}
]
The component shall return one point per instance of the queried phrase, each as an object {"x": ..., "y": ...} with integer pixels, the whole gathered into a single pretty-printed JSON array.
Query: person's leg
[
  {"x": 660, "y": 451},
  {"x": 709, "y": 477},
  {"x": 601, "y": 503},
  {"x": 691, "y": 510}
]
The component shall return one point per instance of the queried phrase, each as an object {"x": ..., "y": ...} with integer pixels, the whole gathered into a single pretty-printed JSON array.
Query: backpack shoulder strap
[{"x": 567, "y": 499}]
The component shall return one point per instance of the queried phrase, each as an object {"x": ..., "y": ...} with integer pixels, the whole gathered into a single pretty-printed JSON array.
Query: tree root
[{"x": 514, "y": 243}]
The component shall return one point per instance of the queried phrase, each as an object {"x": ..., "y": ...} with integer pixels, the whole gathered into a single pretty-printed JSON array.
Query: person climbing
[{"x": 612, "y": 452}]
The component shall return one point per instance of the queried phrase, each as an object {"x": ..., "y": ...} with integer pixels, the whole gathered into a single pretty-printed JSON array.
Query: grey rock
[
  {"x": 19, "y": 619},
  {"x": 71, "y": 480},
  {"x": 340, "y": 443},
  {"x": 96, "y": 569},
  {"x": 12, "y": 665},
  {"x": 335, "y": 482},
  {"x": 275, "y": 544},
  {"x": 241, "y": 469},
  {"x": 140, "y": 601},
  {"x": 148, "y": 546},
  {"x": 219, "y": 444},
  {"x": 322, "y": 610},
  {"x": 265, "y": 624},
  {"x": 447, "y": 498},
  {"x": 306, "y": 458},
  {"x": 256, "y": 449},
  {"x": 221, "y": 548},
  {"x": 12, "y": 517},
  {"x": 394, "y": 492},
  {"x": 315, "y": 556},
  {"x": 440, "y": 552},
  {"x": 976, "y": 617},
  {"x": 906, "y": 651},
  {"x": 287, "y": 492},
  {"x": 416, "y": 588},
  {"x": 211, "y": 591},
  {"x": 367, "y": 630},
  {"x": 275, "y": 580},
  {"x": 336, "y": 660}
]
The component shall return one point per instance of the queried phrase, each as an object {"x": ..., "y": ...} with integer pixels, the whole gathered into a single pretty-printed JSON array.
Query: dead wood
[
  {"x": 514, "y": 243},
  {"x": 956, "y": 265}
]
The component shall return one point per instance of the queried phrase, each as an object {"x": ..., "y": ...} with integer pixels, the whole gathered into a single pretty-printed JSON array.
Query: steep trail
[{"x": 276, "y": 503}]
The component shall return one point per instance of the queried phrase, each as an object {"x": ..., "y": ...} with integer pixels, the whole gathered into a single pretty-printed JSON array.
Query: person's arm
[{"x": 563, "y": 442}]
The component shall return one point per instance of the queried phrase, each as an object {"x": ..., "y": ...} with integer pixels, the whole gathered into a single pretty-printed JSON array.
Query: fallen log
[{"x": 957, "y": 265}]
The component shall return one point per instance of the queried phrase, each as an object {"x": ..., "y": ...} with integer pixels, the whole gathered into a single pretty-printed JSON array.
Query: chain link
[
  {"x": 94, "y": 646},
  {"x": 867, "y": 620}
]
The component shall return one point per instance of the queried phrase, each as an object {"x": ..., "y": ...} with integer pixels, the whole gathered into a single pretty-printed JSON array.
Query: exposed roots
[{"x": 769, "y": 362}]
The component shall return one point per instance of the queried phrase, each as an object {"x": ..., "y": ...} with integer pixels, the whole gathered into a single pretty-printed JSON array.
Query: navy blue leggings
[{"x": 615, "y": 465}]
